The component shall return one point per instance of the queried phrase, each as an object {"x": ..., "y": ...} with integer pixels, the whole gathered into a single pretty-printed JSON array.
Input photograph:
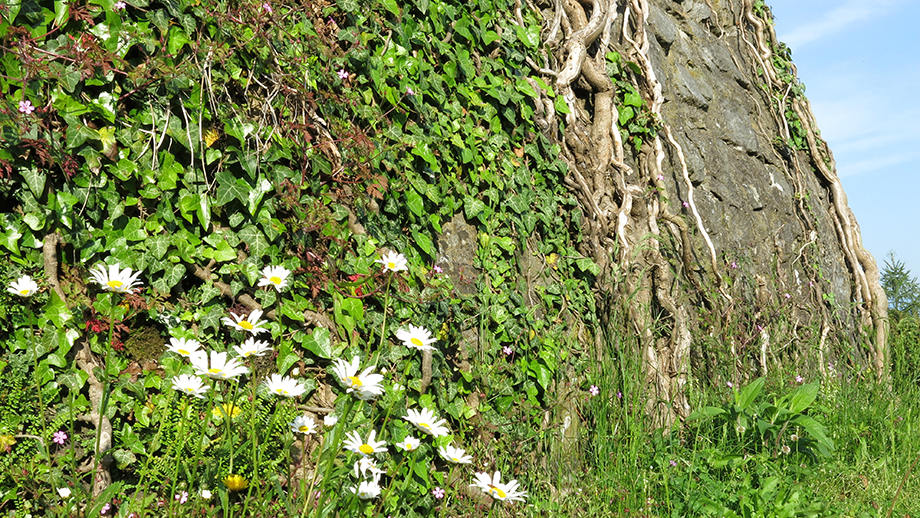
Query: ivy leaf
[
  {"x": 625, "y": 113},
  {"x": 529, "y": 36},
  {"x": 391, "y": 6},
  {"x": 134, "y": 230},
  {"x": 543, "y": 375},
  {"x": 424, "y": 242},
  {"x": 319, "y": 343},
  {"x": 560, "y": 105},
  {"x": 472, "y": 207},
  {"x": 35, "y": 179},
  {"x": 633, "y": 98},
  {"x": 415, "y": 203},
  {"x": 253, "y": 237}
]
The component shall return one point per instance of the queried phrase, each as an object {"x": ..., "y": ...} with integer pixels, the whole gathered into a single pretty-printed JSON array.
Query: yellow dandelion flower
[{"x": 236, "y": 482}]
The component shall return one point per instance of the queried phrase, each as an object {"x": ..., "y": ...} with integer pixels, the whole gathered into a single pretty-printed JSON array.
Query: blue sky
[{"x": 860, "y": 62}]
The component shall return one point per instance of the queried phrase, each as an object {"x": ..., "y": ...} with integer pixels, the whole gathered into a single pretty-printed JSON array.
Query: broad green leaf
[
  {"x": 134, "y": 230},
  {"x": 254, "y": 239},
  {"x": 529, "y": 36},
  {"x": 424, "y": 242},
  {"x": 746, "y": 396},
  {"x": 472, "y": 207},
  {"x": 415, "y": 202},
  {"x": 706, "y": 413},
  {"x": 802, "y": 397},
  {"x": 561, "y": 106},
  {"x": 633, "y": 99},
  {"x": 319, "y": 343},
  {"x": 816, "y": 430},
  {"x": 625, "y": 113},
  {"x": 543, "y": 375},
  {"x": 35, "y": 179},
  {"x": 391, "y": 5}
]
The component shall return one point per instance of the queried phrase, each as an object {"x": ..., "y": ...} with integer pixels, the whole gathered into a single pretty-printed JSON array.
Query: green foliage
[{"x": 902, "y": 289}]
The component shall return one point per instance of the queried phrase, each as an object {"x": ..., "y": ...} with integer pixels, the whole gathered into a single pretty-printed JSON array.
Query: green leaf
[
  {"x": 230, "y": 188},
  {"x": 560, "y": 105},
  {"x": 472, "y": 207},
  {"x": 424, "y": 242},
  {"x": 391, "y": 5},
  {"x": 543, "y": 375},
  {"x": 61, "y": 12},
  {"x": 706, "y": 413},
  {"x": 255, "y": 240},
  {"x": 319, "y": 343},
  {"x": 134, "y": 230},
  {"x": 633, "y": 99},
  {"x": 587, "y": 265},
  {"x": 625, "y": 113},
  {"x": 816, "y": 430},
  {"x": 415, "y": 202},
  {"x": 746, "y": 396},
  {"x": 35, "y": 179},
  {"x": 802, "y": 397},
  {"x": 529, "y": 36},
  {"x": 56, "y": 311}
]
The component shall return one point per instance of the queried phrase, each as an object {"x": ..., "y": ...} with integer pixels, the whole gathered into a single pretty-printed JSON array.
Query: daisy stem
[
  {"x": 153, "y": 446},
  {"x": 38, "y": 389},
  {"x": 334, "y": 444},
  {"x": 492, "y": 508},
  {"x": 172, "y": 490},
  {"x": 104, "y": 403}
]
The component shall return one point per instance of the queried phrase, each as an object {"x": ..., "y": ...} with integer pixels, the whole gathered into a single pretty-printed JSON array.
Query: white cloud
[{"x": 835, "y": 20}]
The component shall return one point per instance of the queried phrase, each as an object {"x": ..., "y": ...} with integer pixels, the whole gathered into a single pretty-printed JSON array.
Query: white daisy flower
[
  {"x": 221, "y": 368},
  {"x": 365, "y": 465},
  {"x": 248, "y": 324},
  {"x": 364, "y": 385},
  {"x": 23, "y": 286},
  {"x": 275, "y": 276},
  {"x": 330, "y": 420},
  {"x": 284, "y": 386},
  {"x": 251, "y": 347},
  {"x": 367, "y": 490},
  {"x": 416, "y": 338},
  {"x": 191, "y": 385},
  {"x": 455, "y": 455},
  {"x": 303, "y": 424},
  {"x": 427, "y": 422},
  {"x": 63, "y": 492},
  {"x": 354, "y": 443},
  {"x": 409, "y": 443},
  {"x": 184, "y": 346},
  {"x": 393, "y": 262},
  {"x": 496, "y": 489},
  {"x": 114, "y": 279}
]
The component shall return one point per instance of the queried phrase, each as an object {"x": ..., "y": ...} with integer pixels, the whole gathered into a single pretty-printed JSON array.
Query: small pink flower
[
  {"x": 105, "y": 509},
  {"x": 59, "y": 437},
  {"x": 788, "y": 296},
  {"x": 733, "y": 266},
  {"x": 438, "y": 269},
  {"x": 438, "y": 493},
  {"x": 26, "y": 107},
  {"x": 660, "y": 177},
  {"x": 343, "y": 75},
  {"x": 119, "y": 6},
  {"x": 594, "y": 390},
  {"x": 686, "y": 204},
  {"x": 507, "y": 350},
  {"x": 182, "y": 497},
  {"x": 729, "y": 384},
  {"x": 619, "y": 395},
  {"x": 410, "y": 91},
  {"x": 268, "y": 8},
  {"x": 673, "y": 463},
  {"x": 799, "y": 379}
]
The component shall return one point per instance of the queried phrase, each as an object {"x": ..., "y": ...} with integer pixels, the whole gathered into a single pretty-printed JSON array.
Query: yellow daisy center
[
  {"x": 355, "y": 381},
  {"x": 391, "y": 265},
  {"x": 115, "y": 284},
  {"x": 189, "y": 390},
  {"x": 498, "y": 492},
  {"x": 366, "y": 449},
  {"x": 416, "y": 342},
  {"x": 425, "y": 426},
  {"x": 183, "y": 352},
  {"x": 245, "y": 325},
  {"x": 304, "y": 429},
  {"x": 275, "y": 280},
  {"x": 24, "y": 292},
  {"x": 282, "y": 392},
  {"x": 216, "y": 371},
  {"x": 455, "y": 459}
]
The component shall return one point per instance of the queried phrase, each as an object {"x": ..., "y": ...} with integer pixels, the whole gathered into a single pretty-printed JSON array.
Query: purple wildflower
[
  {"x": 59, "y": 437},
  {"x": 594, "y": 390},
  {"x": 26, "y": 107},
  {"x": 343, "y": 75},
  {"x": 438, "y": 493}
]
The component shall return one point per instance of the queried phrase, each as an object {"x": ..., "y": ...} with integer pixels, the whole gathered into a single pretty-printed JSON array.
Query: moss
[{"x": 145, "y": 343}]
